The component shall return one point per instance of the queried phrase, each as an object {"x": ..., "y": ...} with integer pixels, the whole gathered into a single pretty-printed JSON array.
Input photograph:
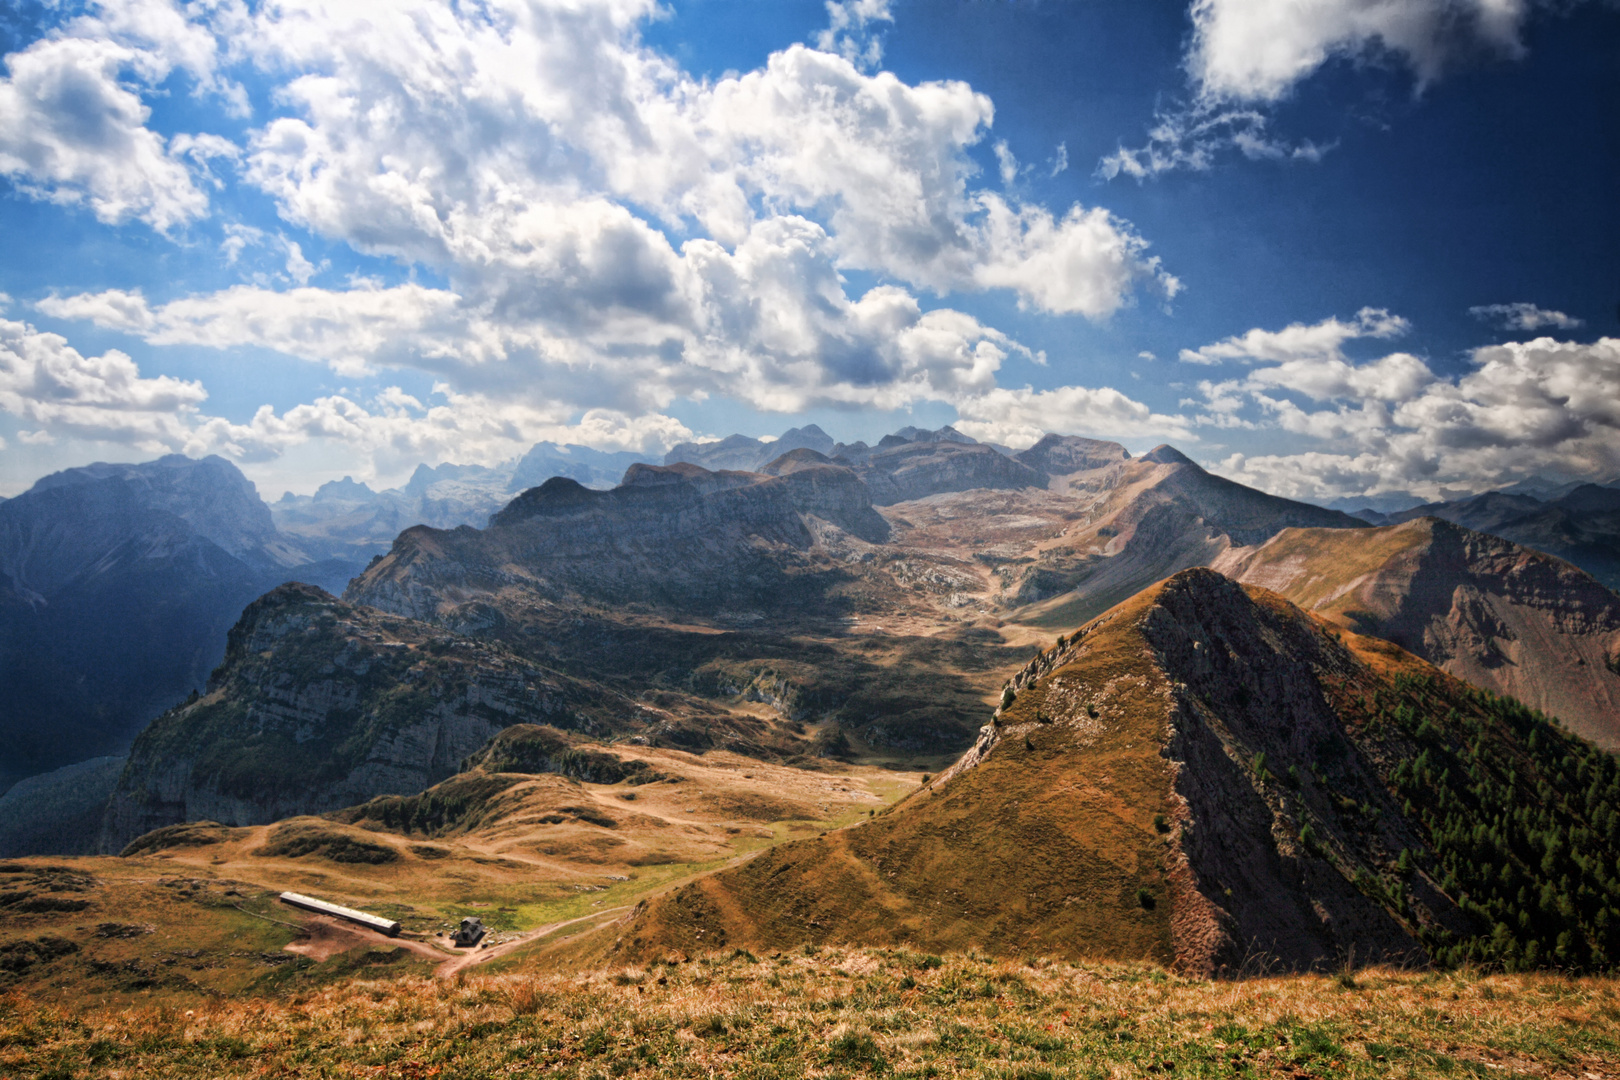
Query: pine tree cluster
[{"x": 1523, "y": 825}]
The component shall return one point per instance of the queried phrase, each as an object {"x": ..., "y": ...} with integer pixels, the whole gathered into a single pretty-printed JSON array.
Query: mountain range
[
  {"x": 117, "y": 585},
  {"x": 348, "y": 519},
  {"x": 1268, "y": 762}
]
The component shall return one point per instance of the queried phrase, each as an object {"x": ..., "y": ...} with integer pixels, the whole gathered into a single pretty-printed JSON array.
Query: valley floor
[{"x": 845, "y": 1012}]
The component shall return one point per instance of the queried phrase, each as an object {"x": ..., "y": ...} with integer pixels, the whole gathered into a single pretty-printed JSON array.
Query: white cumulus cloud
[
  {"x": 1395, "y": 425},
  {"x": 1019, "y": 417},
  {"x": 46, "y": 382},
  {"x": 1258, "y": 50},
  {"x": 72, "y": 131},
  {"x": 609, "y": 233},
  {"x": 1245, "y": 56},
  {"x": 1322, "y": 340}
]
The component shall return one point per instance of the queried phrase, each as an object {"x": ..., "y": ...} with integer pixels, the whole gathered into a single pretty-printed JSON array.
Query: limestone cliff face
[
  {"x": 321, "y": 705},
  {"x": 676, "y": 534},
  {"x": 916, "y": 470},
  {"x": 1486, "y": 610}
]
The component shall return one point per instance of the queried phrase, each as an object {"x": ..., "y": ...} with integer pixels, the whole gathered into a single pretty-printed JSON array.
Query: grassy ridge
[{"x": 849, "y": 1013}]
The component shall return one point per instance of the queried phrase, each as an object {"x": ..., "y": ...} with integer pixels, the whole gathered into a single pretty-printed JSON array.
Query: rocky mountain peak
[
  {"x": 1165, "y": 454},
  {"x": 209, "y": 495},
  {"x": 1059, "y": 455}
]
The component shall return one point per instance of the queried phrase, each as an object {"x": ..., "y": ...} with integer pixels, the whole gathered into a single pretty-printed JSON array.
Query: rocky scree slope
[
  {"x": 1486, "y": 610},
  {"x": 320, "y": 705},
  {"x": 1207, "y": 777},
  {"x": 117, "y": 585}
]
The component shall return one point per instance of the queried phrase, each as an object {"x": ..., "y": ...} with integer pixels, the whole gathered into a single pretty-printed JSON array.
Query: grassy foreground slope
[
  {"x": 857, "y": 1012},
  {"x": 542, "y": 828},
  {"x": 1207, "y": 777}
]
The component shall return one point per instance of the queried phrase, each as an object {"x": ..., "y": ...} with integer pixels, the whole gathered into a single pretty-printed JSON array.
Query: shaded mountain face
[
  {"x": 117, "y": 584},
  {"x": 59, "y": 812},
  {"x": 320, "y": 704},
  {"x": 1579, "y": 523},
  {"x": 1488, "y": 611},
  {"x": 1210, "y": 778}
]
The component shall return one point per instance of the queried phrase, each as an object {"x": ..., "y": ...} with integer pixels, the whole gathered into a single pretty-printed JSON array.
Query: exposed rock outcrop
[
  {"x": 320, "y": 705},
  {"x": 1486, "y": 610}
]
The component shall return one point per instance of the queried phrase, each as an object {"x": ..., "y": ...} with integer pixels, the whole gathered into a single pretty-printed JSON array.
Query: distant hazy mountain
[
  {"x": 748, "y": 454},
  {"x": 599, "y": 469},
  {"x": 1577, "y": 522},
  {"x": 117, "y": 584},
  {"x": 348, "y": 519}
]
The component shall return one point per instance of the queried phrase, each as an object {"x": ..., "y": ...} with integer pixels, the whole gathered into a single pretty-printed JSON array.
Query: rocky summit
[{"x": 117, "y": 585}]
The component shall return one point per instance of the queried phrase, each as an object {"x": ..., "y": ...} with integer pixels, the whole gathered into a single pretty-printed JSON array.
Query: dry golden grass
[
  {"x": 200, "y": 918},
  {"x": 848, "y": 1012}
]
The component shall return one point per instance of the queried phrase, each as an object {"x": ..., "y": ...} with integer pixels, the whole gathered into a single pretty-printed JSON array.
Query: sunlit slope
[
  {"x": 1493, "y": 613},
  {"x": 1022, "y": 853},
  {"x": 541, "y": 827},
  {"x": 1206, "y": 776}
]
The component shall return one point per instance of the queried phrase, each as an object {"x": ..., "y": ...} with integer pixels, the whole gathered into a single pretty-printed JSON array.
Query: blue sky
[{"x": 1336, "y": 249}]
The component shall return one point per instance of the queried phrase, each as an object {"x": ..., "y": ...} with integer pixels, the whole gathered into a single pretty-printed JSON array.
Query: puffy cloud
[
  {"x": 768, "y": 324},
  {"x": 1019, "y": 418},
  {"x": 1087, "y": 263},
  {"x": 350, "y": 330},
  {"x": 1524, "y": 408},
  {"x": 1316, "y": 341},
  {"x": 1527, "y": 317},
  {"x": 428, "y": 132},
  {"x": 611, "y": 234},
  {"x": 46, "y": 382},
  {"x": 71, "y": 131},
  {"x": 115, "y": 309},
  {"x": 1257, "y": 50}
]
